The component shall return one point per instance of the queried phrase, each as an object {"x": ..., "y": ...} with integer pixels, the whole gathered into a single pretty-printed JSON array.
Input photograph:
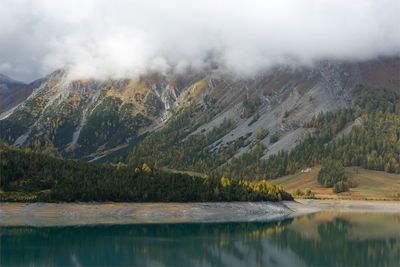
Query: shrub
[
  {"x": 298, "y": 193},
  {"x": 261, "y": 134},
  {"x": 286, "y": 114},
  {"x": 331, "y": 173},
  {"x": 274, "y": 138},
  {"x": 309, "y": 194},
  {"x": 340, "y": 187},
  {"x": 250, "y": 106},
  {"x": 306, "y": 194}
]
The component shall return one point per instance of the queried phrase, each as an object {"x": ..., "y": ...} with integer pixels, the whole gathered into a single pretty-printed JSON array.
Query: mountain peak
[{"x": 6, "y": 79}]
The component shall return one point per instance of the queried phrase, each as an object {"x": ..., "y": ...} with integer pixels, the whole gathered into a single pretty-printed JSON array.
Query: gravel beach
[{"x": 68, "y": 214}]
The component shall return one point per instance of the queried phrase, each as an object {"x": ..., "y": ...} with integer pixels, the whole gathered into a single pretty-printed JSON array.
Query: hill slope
[
  {"x": 30, "y": 177},
  {"x": 89, "y": 119},
  {"x": 371, "y": 185}
]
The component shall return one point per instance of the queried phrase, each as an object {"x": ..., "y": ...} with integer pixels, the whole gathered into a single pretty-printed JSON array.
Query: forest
[
  {"x": 28, "y": 177},
  {"x": 373, "y": 143}
]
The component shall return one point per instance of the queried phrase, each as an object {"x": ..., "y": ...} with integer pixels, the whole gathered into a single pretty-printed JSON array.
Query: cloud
[{"x": 101, "y": 38}]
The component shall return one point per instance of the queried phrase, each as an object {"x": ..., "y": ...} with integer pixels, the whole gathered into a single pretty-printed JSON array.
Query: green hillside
[{"x": 30, "y": 177}]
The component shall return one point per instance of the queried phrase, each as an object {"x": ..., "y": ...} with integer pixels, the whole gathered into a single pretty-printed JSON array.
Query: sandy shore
[
  {"x": 64, "y": 214},
  {"x": 304, "y": 206}
]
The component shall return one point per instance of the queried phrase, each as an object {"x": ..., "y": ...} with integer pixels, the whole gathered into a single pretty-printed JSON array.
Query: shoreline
[
  {"x": 306, "y": 206},
  {"x": 76, "y": 214},
  {"x": 79, "y": 214}
]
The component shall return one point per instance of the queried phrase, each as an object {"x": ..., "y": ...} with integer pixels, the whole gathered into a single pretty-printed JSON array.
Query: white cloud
[{"x": 100, "y": 38}]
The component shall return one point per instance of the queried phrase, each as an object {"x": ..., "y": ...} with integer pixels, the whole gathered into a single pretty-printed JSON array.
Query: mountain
[
  {"x": 81, "y": 117},
  {"x": 191, "y": 115},
  {"x": 12, "y": 93}
]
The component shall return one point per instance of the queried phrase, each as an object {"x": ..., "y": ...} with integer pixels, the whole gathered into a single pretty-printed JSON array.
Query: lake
[{"x": 320, "y": 239}]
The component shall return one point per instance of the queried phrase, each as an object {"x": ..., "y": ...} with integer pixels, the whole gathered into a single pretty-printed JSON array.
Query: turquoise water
[{"x": 323, "y": 239}]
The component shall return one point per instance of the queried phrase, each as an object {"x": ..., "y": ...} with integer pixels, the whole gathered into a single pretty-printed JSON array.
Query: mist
[{"x": 117, "y": 39}]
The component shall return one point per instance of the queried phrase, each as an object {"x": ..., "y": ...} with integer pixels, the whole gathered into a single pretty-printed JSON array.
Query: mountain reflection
[{"x": 317, "y": 240}]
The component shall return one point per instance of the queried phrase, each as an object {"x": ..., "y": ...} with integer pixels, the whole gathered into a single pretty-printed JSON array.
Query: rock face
[
  {"x": 88, "y": 119},
  {"x": 12, "y": 93}
]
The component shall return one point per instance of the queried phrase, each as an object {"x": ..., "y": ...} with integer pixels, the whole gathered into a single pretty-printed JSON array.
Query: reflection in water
[
  {"x": 324, "y": 239},
  {"x": 336, "y": 245}
]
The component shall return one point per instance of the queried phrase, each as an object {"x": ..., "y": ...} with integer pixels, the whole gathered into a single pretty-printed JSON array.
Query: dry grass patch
[{"x": 371, "y": 185}]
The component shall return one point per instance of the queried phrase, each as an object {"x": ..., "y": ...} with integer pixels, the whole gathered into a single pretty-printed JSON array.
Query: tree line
[{"x": 29, "y": 176}]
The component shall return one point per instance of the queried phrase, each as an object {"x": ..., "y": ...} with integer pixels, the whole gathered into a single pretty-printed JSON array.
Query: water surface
[{"x": 322, "y": 239}]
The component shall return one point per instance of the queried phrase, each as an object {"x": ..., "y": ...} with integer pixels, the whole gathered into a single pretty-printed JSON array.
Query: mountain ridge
[
  {"x": 89, "y": 119},
  {"x": 13, "y": 93}
]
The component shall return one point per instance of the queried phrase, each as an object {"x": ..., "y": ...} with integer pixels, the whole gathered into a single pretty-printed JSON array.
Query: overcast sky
[{"x": 116, "y": 38}]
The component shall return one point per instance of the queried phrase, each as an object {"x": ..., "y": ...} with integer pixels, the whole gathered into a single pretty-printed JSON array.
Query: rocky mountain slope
[
  {"x": 89, "y": 119},
  {"x": 12, "y": 92}
]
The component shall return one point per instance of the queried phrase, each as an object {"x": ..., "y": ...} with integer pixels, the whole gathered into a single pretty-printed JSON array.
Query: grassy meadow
[{"x": 370, "y": 185}]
